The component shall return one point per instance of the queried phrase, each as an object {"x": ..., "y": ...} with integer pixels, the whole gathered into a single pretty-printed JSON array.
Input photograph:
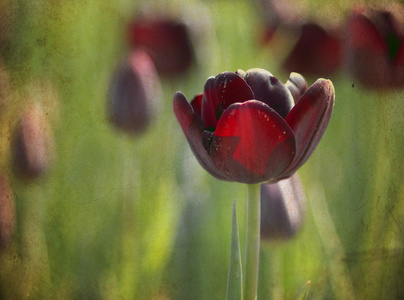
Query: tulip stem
[{"x": 252, "y": 242}]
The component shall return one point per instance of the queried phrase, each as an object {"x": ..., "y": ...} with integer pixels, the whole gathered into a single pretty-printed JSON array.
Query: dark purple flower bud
[
  {"x": 135, "y": 93},
  {"x": 282, "y": 208},
  {"x": 375, "y": 45},
  {"x": 7, "y": 213},
  {"x": 317, "y": 52},
  {"x": 166, "y": 40},
  {"x": 249, "y": 127},
  {"x": 33, "y": 144}
]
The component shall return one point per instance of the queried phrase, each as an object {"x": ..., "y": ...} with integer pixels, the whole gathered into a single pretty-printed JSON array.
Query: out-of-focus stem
[{"x": 252, "y": 242}]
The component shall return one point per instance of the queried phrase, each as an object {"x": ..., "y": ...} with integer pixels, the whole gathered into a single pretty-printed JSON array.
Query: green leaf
[
  {"x": 304, "y": 291},
  {"x": 235, "y": 278}
]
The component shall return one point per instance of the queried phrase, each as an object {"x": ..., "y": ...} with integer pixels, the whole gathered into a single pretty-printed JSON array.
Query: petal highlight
[{"x": 252, "y": 143}]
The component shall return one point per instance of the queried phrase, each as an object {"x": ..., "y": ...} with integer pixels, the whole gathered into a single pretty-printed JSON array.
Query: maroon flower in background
[
  {"x": 317, "y": 51},
  {"x": 282, "y": 208},
  {"x": 166, "y": 40},
  {"x": 134, "y": 93},
  {"x": 315, "y": 41},
  {"x": 375, "y": 45},
  {"x": 249, "y": 127}
]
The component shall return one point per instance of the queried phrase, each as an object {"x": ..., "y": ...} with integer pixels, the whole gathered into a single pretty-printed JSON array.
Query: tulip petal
[
  {"x": 252, "y": 143},
  {"x": 196, "y": 104},
  {"x": 209, "y": 104},
  {"x": 193, "y": 128},
  {"x": 296, "y": 85},
  {"x": 269, "y": 90},
  {"x": 219, "y": 93},
  {"x": 309, "y": 119}
]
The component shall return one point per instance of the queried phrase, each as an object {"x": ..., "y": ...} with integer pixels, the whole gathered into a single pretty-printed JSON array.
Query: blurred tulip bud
[
  {"x": 135, "y": 93},
  {"x": 166, "y": 40},
  {"x": 282, "y": 206},
  {"x": 317, "y": 52},
  {"x": 375, "y": 45},
  {"x": 7, "y": 212},
  {"x": 33, "y": 145}
]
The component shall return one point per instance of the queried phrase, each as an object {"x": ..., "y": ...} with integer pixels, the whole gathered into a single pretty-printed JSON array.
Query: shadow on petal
[{"x": 193, "y": 128}]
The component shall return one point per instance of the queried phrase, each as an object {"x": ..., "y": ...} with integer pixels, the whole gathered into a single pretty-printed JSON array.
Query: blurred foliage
[{"x": 118, "y": 217}]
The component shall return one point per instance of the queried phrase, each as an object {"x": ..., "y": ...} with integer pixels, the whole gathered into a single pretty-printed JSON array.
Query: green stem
[{"x": 252, "y": 242}]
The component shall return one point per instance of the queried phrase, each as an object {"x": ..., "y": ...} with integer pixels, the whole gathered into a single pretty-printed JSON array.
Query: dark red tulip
[
  {"x": 247, "y": 127},
  {"x": 375, "y": 46},
  {"x": 7, "y": 212},
  {"x": 166, "y": 40},
  {"x": 282, "y": 205},
  {"x": 33, "y": 145},
  {"x": 317, "y": 51},
  {"x": 134, "y": 93}
]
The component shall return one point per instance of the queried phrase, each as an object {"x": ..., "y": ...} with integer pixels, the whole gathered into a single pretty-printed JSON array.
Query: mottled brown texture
[
  {"x": 6, "y": 20},
  {"x": 7, "y": 213}
]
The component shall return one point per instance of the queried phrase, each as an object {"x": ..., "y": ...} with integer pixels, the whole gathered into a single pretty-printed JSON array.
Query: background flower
[
  {"x": 166, "y": 40},
  {"x": 135, "y": 93},
  {"x": 375, "y": 45},
  {"x": 282, "y": 208}
]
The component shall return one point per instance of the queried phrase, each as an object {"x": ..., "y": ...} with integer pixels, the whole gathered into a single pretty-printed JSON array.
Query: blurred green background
[{"x": 122, "y": 217}]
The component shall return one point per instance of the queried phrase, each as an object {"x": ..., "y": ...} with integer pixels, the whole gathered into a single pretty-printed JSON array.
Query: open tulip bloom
[{"x": 249, "y": 127}]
